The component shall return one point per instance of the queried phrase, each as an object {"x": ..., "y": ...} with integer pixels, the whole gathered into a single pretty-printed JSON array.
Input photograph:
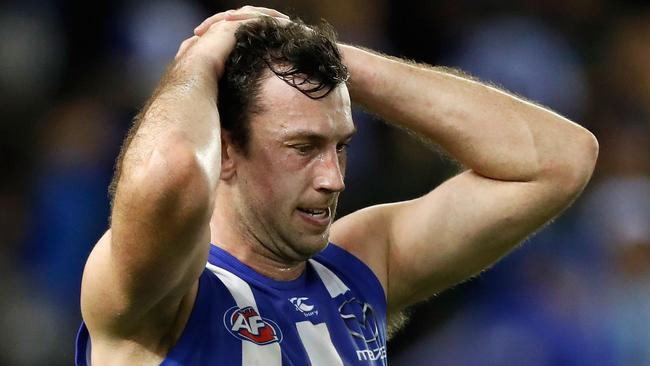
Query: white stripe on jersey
[
  {"x": 252, "y": 354},
  {"x": 318, "y": 344},
  {"x": 332, "y": 282}
]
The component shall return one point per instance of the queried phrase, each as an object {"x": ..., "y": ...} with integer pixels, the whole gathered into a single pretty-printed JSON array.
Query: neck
[{"x": 228, "y": 233}]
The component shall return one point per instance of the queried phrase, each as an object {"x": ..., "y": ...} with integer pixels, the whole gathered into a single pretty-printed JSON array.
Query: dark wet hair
[{"x": 305, "y": 57}]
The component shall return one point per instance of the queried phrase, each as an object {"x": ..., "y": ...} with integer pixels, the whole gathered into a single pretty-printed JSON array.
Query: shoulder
[
  {"x": 365, "y": 235},
  {"x": 108, "y": 318}
]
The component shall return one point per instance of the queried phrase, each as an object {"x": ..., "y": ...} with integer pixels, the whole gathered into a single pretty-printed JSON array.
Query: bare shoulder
[
  {"x": 118, "y": 335},
  {"x": 365, "y": 234},
  {"x": 96, "y": 296}
]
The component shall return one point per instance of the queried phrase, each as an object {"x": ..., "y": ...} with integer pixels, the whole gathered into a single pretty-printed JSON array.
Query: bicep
[
  {"x": 460, "y": 228},
  {"x": 420, "y": 247},
  {"x": 155, "y": 250}
]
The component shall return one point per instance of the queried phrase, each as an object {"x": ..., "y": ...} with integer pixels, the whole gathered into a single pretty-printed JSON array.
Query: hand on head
[
  {"x": 214, "y": 38},
  {"x": 244, "y": 13}
]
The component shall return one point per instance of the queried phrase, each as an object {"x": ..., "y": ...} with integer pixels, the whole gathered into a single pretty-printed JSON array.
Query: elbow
[
  {"x": 586, "y": 158},
  {"x": 579, "y": 163}
]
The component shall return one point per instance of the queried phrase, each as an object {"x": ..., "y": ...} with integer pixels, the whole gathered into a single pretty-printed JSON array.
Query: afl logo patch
[{"x": 248, "y": 325}]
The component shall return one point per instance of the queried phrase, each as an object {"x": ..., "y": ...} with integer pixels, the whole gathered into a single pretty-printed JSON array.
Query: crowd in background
[{"x": 73, "y": 74}]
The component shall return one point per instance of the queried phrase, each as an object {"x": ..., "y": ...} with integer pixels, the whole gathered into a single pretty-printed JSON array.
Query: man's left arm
[{"x": 525, "y": 164}]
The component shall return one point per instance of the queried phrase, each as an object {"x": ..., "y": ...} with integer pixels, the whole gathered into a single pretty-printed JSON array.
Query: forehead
[{"x": 286, "y": 111}]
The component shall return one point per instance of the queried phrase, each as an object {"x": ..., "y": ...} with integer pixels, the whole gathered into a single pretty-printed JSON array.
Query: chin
[{"x": 312, "y": 245}]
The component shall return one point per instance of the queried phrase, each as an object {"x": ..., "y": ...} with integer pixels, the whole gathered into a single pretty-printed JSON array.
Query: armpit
[{"x": 395, "y": 322}]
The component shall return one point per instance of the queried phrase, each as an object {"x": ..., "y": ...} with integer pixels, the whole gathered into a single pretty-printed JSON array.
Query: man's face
[{"x": 290, "y": 181}]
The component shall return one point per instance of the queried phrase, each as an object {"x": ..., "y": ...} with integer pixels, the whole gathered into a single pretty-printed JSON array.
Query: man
[{"x": 258, "y": 176}]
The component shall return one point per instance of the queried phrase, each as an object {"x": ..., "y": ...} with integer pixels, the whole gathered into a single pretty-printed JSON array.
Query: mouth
[{"x": 316, "y": 216}]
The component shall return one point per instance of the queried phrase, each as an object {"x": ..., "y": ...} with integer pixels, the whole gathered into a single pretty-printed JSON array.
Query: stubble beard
[
  {"x": 304, "y": 246},
  {"x": 284, "y": 240}
]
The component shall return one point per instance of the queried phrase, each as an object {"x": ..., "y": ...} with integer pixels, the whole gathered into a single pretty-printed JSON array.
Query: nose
[{"x": 329, "y": 172}]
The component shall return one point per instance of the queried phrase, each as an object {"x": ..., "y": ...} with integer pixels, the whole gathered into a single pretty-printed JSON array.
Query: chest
[{"x": 310, "y": 324}]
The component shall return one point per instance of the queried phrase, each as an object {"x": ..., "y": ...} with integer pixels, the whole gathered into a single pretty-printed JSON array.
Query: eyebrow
[{"x": 313, "y": 136}]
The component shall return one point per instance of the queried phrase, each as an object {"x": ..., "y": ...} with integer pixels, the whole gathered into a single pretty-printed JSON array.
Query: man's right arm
[{"x": 158, "y": 243}]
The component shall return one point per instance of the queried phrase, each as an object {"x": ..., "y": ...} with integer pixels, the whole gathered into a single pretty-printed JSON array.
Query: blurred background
[{"x": 74, "y": 73}]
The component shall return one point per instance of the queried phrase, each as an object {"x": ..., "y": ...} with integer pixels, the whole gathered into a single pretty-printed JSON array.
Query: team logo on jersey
[
  {"x": 360, "y": 320},
  {"x": 302, "y": 305},
  {"x": 362, "y": 324},
  {"x": 248, "y": 325}
]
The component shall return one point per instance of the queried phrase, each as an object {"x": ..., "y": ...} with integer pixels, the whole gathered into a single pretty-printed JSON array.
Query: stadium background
[{"x": 73, "y": 73}]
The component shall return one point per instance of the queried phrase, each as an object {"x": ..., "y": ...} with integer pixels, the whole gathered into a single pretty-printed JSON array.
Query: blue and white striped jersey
[{"x": 333, "y": 314}]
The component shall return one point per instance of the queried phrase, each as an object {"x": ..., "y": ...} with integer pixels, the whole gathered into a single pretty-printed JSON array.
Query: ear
[{"x": 228, "y": 156}]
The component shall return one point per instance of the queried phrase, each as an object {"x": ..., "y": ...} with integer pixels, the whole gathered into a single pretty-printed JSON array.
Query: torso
[{"x": 333, "y": 314}]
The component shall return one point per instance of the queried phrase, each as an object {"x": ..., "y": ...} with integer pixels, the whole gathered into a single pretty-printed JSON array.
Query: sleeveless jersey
[{"x": 333, "y": 314}]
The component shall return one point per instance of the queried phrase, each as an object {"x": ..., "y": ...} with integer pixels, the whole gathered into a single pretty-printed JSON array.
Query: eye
[
  {"x": 342, "y": 147},
  {"x": 303, "y": 149}
]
